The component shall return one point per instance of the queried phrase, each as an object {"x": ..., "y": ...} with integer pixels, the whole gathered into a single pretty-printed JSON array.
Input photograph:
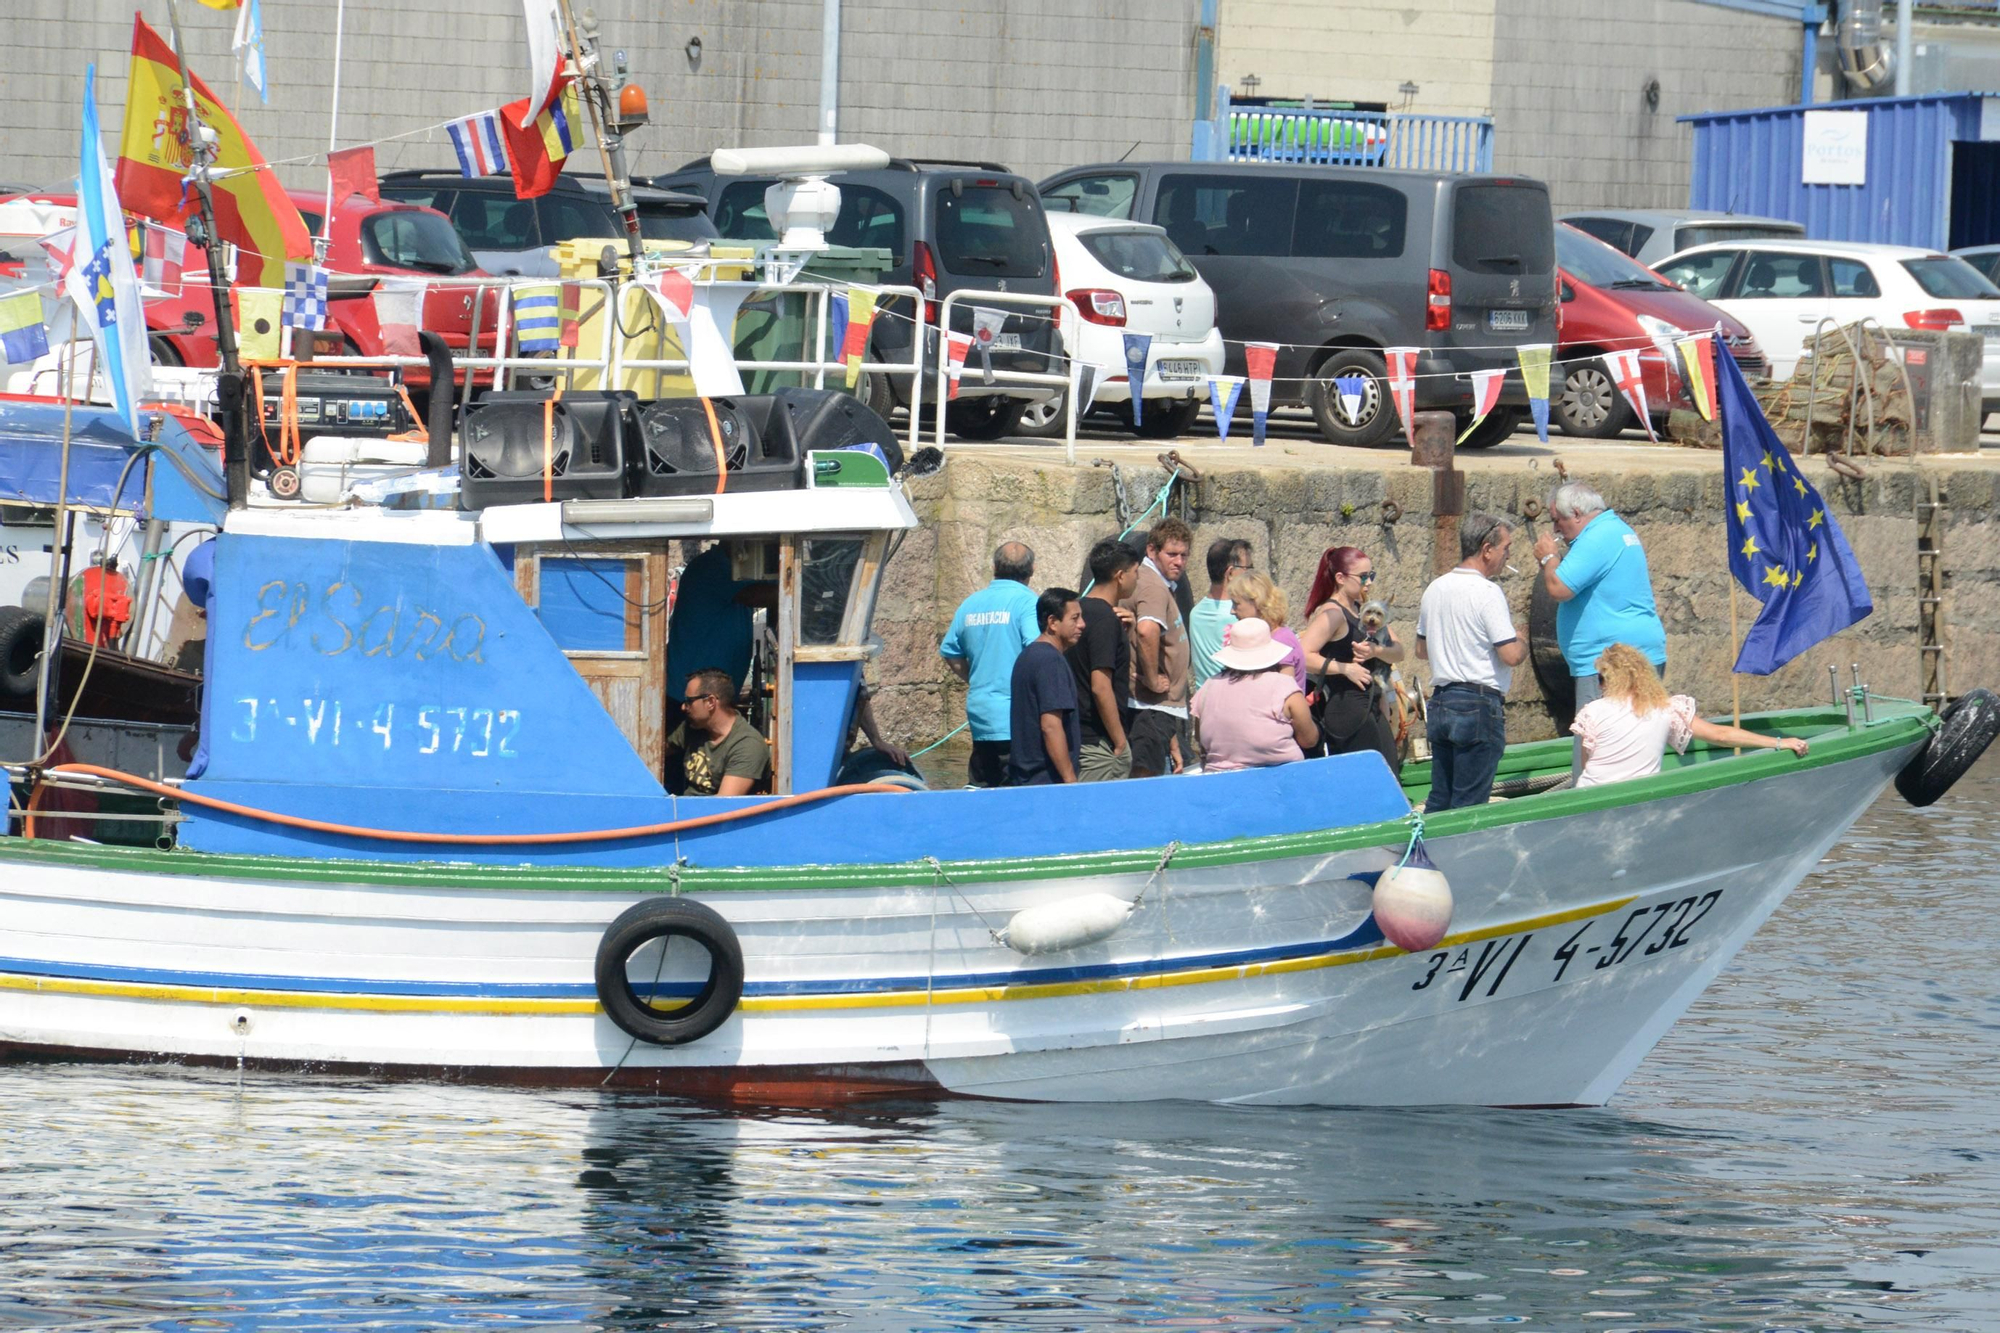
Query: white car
[
  {"x": 1127, "y": 277},
  {"x": 1783, "y": 290}
]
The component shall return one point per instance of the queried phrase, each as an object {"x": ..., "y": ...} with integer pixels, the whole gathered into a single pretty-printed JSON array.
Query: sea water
[{"x": 1813, "y": 1147}]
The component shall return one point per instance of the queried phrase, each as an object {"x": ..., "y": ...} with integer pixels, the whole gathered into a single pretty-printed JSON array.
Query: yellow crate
[{"x": 652, "y": 338}]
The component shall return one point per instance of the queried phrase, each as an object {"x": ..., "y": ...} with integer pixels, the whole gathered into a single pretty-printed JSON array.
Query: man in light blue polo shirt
[
  {"x": 989, "y": 631},
  {"x": 1603, "y": 585}
]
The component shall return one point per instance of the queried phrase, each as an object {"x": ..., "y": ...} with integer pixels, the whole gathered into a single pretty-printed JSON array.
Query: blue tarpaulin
[{"x": 186, "y": 488}]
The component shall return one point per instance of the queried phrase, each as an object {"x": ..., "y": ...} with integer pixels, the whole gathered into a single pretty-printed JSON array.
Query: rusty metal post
[{"x": 1432, "y": 445}]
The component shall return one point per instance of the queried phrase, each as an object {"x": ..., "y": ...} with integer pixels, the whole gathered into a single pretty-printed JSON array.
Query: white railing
[{"x": 1061, "y": 305}]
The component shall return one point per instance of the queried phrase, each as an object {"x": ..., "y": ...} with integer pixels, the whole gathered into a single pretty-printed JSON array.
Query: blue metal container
[{"x": 1932, "y": 168}]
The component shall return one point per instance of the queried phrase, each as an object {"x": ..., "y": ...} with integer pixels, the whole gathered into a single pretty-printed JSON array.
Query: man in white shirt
[{"x": 1466, "y": 634}]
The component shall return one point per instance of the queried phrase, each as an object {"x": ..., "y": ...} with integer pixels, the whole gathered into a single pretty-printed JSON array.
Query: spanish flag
[
  {"x": 251, "y": 210},
  {"x": 537, "y": 154}
]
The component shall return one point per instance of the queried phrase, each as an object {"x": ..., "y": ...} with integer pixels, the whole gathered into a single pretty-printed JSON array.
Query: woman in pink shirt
[
  {"x": 1252, "y": 713},
  {"x": 1625, "y": 733}
]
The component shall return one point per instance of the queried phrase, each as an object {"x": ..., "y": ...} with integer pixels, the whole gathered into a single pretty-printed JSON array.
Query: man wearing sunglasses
[{"x": 721, "y": 753}]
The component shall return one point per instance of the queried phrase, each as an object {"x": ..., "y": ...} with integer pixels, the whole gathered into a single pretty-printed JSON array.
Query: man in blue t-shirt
[
  {"x": 1048, "y": 739},
  {"x": 1603, "y": 586},
  {"x": 989, "y": 631}
]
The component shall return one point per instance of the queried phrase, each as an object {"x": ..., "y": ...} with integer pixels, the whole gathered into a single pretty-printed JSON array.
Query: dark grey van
[
  {"x": 948, "y": 226},
  {"x": 1335, "y": 264}
]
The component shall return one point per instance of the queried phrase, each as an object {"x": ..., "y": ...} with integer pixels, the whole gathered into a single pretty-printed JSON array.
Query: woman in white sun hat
[{"x": 1251, "y": 714}]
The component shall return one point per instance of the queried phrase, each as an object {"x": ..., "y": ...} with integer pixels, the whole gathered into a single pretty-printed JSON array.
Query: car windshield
[
  {"x": 1951, "y": 277},
  {"x": 1138, "y": 256},
  {"x": 985, "y": 231},
  {"x": 662, "y": 221},
  {"x": 407, "y": 238},
  {"x": 1591, "y": 261}
]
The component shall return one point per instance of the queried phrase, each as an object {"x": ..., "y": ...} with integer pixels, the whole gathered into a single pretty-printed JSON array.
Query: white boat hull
[{"x": 1579, "y": 940}]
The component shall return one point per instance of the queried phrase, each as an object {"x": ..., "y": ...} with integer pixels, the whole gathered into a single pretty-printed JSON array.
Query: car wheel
[
  {"x": 984, "y": 418},
  {"x": 1591, "y": 405},
  {"x": 1167, "y": 418},
  {"x": 1374, "y": 420},
  {"x": 1045, "y": 421},
  {"x": 1498, "y": 425},
  {"x": 875, "y": 390},
  {"x": 160, "y": 350}
]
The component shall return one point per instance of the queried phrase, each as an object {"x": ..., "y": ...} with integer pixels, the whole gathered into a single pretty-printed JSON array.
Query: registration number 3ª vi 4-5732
[{"x": 1596, "y": 945}]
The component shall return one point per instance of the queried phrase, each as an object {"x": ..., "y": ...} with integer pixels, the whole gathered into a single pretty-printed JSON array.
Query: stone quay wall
[{"x": 1291, "y": 508}]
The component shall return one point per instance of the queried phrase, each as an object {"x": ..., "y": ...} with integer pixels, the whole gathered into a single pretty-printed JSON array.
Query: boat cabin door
[{"x": 607, "y": 609}]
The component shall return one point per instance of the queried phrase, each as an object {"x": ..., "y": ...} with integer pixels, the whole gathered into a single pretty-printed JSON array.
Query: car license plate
[
  {"x": 1987, "y": 331},
  {"x": 1006, "y": 342},
  {"x": 1179, "y": 370},
  {"x": 1507, "y": 321}
]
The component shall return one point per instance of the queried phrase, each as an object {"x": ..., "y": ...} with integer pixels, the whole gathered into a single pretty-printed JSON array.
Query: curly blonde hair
[
  {"x": 1255, "y": 586},
  {"x": 1623, "y": 672}
]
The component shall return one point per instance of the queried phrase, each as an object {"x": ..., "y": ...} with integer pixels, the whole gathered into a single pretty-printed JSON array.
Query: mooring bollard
[{"x": 1432, "y": 445}]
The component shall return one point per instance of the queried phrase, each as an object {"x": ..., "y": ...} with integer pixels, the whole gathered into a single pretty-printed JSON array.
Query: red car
[
  {"x": 1611, "y": 302},
  {"x": 369, "y": 241}
]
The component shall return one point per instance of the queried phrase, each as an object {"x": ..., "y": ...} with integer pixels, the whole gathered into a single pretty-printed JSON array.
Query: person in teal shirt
[
  {"x": 1211, "y": 617},
  {"x": 988, "y": 632},
  {"x": 1603, "y": 586}
]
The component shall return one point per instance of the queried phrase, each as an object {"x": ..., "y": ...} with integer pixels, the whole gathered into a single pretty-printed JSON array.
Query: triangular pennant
[
  {"x": 1089, "y": 376},
  {"x": 1698, "y": 369},
  {"x": 986, "y": 325},
  {"x": 1350, "y": 394},
  {"x": 1261, "y": 360},
  {"x": 1485, "y": 394},
  {"x": 674, "y": 291},
  {"x": 1535, "y": 379},
  {"x": 1137, "y": 347},
  {"x": 860, "y": 319},
  {"x": 956, "y": 345},
  {"x": 1223, "y": 391},
  {"x": 1623, "y": 368},
  {"x": 1403, "y": 386}
]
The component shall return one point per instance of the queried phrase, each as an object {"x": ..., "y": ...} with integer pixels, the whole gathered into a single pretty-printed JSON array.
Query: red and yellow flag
[
  {"x": 251, "y": 209},
  {"x": 537, "y": 154}
]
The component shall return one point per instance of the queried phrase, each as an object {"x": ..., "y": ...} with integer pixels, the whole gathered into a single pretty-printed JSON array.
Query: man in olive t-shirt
[{"x": 721, "y": 753}]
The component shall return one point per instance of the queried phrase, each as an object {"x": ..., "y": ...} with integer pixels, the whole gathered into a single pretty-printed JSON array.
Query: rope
[
  {"x": 1416, "y": 837},
  {"x": 937, "y": 868},
  {"x": 1158, "y": 870},
  {"x": 465, "y": 839},
  {"x": 942, "y": 739}
]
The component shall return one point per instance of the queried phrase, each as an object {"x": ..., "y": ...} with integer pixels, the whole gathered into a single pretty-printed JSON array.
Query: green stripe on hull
[{"x": 1897, "y": 724}]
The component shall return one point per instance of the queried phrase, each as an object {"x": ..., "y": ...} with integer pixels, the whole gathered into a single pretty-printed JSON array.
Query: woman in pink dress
[
  {"x": 1252, "y": 713},
  {"x": 1626, "y": 733}
]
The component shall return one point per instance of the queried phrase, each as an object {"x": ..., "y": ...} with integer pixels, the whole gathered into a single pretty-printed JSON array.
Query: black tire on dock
[
  {"x": 661, "y": 919},
  {"x": 20, "y": 650},
  {"x": 1545, "y": 655},
  {"x": 1970, "y": 723}
]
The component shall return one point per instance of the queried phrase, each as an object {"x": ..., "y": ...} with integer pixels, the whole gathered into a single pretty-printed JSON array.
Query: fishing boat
[{"x": 431, "y": 839}]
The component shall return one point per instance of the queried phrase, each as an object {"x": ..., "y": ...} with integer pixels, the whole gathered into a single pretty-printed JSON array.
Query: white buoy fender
[
  {"x": 1069, "y": 924},
  {"x": 1413, "y": 904}
]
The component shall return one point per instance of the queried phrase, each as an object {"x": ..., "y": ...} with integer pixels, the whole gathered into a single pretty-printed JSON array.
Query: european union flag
[{"x": 1783, "y": 545}]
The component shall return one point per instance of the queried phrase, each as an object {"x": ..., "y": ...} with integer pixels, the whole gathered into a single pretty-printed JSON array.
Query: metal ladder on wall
[{"x": 1930, "y": 592}]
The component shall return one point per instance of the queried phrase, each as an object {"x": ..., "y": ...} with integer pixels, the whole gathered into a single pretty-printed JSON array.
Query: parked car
[
  {"x": 1611, "y": 303},
  {"x": 1334, "y": 264},
  {"x": 1784, "y": 291},
  {"x": 512, "y": 237},
  {"x": 948, "y": 227},
  {"x": 1985, "y": 258},
  {"x": 1651, "y": 234},
  {"x": 1127, "y": 277}
]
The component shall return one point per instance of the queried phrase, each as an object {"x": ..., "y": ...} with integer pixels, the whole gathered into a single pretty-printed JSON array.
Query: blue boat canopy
[{"x": 186, "y": 475}]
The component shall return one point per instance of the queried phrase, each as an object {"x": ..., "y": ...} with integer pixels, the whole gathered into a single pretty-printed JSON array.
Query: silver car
[{"x": 1651, "y": 234}]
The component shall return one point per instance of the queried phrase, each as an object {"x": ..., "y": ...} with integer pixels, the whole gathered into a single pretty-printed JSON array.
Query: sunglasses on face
[{"x": 1368, "y": 577}]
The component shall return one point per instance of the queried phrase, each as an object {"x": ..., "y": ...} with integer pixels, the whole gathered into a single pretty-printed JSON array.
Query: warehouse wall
[
  {"x": 1038, "y": 84},
  {"x": 1568, "y": 90},
  {"x": 1359, "y": 52}
]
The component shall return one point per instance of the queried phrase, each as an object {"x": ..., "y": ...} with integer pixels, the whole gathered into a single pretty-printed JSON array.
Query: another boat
[{"x": 431, "y": 840}]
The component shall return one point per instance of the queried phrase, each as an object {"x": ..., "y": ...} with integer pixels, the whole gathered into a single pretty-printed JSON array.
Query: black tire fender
[
  {"x": 658, "y": 919},
  {"x": 20, "y": 650},
  {"x": 1969, "y": 724},
  {"x": 1546, "y": 656}
]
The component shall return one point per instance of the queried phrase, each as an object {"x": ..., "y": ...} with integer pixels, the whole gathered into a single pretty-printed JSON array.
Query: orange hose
[{"x": 469, "y": 839}]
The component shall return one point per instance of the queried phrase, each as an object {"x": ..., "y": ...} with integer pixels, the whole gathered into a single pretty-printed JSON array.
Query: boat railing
[{"x": 1065, "y": 316}]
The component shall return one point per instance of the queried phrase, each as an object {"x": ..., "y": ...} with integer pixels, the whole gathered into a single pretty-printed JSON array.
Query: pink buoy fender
[{"x": 1413, "y": 902}]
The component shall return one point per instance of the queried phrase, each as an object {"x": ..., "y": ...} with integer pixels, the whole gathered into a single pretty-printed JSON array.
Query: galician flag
[
  {"x": 1784, "y": 548},
  {"x": 249, "y": 47},
  {"x": 103, "y": 282}
]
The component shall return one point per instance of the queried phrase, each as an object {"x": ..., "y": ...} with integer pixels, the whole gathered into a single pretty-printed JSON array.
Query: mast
[
  {"x": 607, "y": 126},
  {"x": 229, "y": 385}
]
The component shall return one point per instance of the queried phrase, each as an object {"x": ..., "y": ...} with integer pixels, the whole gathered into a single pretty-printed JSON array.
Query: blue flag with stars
[{"x": 1784, "y": 548}]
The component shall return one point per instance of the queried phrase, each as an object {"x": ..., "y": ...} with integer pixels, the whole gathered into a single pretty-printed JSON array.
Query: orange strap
[
  {"x": 420, "y": 431},
  {"x": 715, "y": 438},
  {"x": 456, "y": 839},
  {"x": 549, "y": 444},
  {"x": 289, "y": 447}
]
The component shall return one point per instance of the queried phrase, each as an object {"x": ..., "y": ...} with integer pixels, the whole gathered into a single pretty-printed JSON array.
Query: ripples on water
[{"x": 1811, "y": 1148}]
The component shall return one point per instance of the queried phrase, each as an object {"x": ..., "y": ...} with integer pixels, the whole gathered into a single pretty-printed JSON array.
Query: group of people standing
[{"x": 1135, "y": 677}]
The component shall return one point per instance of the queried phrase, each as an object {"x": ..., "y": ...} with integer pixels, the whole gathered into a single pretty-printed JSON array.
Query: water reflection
[{"x": 1810, "y": 1149}]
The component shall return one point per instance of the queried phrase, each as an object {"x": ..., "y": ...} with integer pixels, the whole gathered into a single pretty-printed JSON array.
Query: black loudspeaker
[
  {"x": 502, "y": 445},
  {"x": 823, "y": 419},
  {"x": 676, "y": 449}
]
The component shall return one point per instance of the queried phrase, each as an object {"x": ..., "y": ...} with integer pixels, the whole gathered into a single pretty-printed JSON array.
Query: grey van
[
  {"x": 1334, "y": 264},
  {"x": 948, "y": 226}
]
